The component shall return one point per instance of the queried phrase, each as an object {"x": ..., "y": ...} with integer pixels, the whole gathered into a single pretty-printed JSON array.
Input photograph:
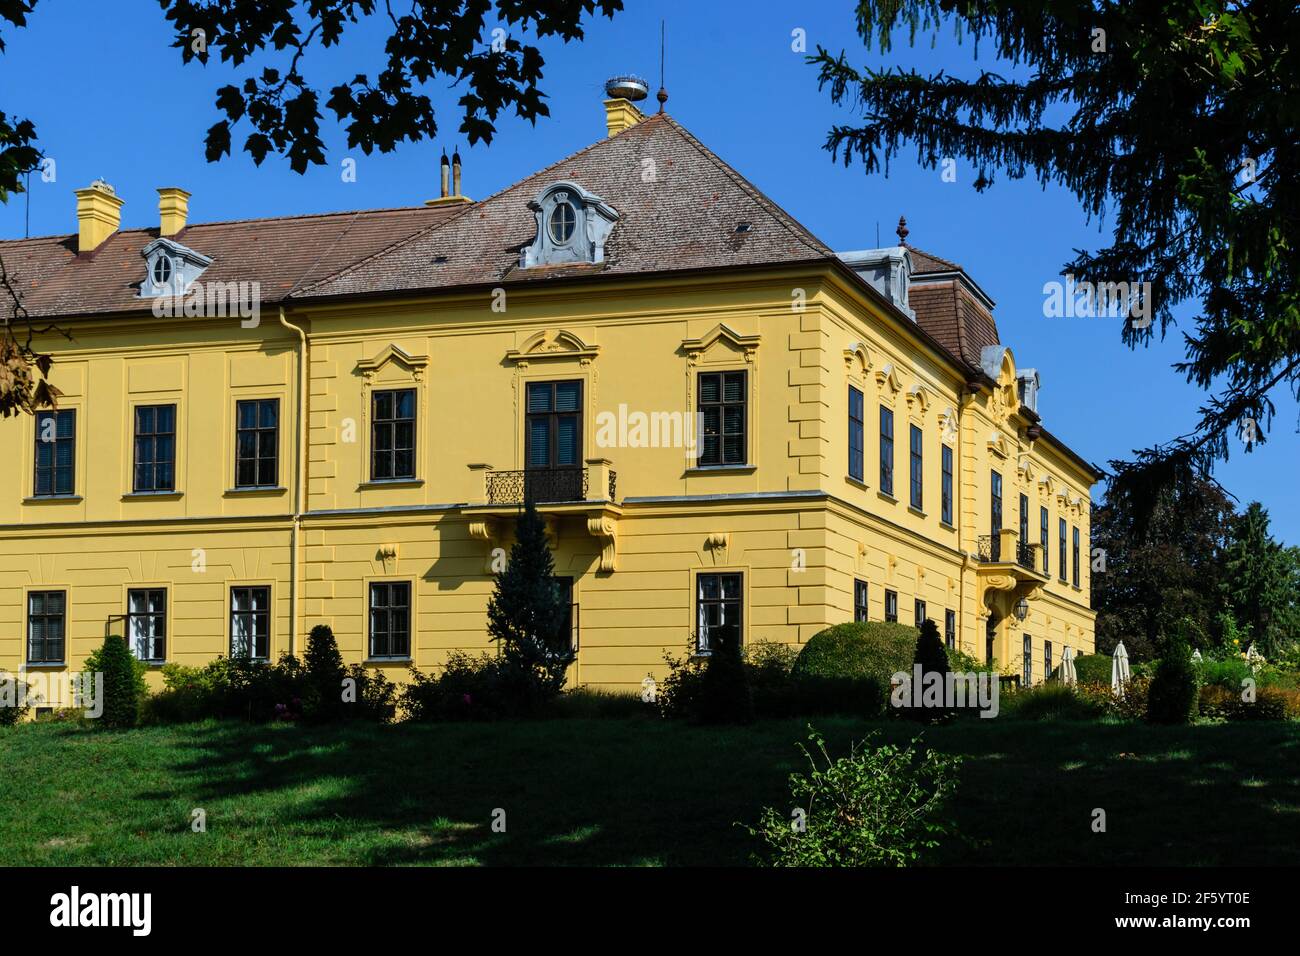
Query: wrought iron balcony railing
[
  {"x": 990, "y": 552},
  {"x": 541, "y": 485}
]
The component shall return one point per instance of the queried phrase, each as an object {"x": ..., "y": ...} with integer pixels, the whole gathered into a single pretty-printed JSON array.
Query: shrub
[
  {"x": 679, "y": 693},
  {"x": 768, "y": 666},
  {"x": 1093, "y": 668},
  {"x": 323, "y": 676},
  {"x": 13, "y": 699},
  {"x": 725, "y": 695},
  {"x": 467, "y": 688},
  {"x": 594, "y": 702},
  {"x": 848, "y": 667},
  {"x": 879, "y": 806},
  {"x": 121, "y": 688},
  {"x": 932, "y": 658},
  {"x": 376, "y": 695},
  {"x": 1172, "y": 697},
  {"x": 961, "y": 662},
  {"x": 1270, "y": 703},
  {"x": 1134, "y": 704},
  {"x": 94, "y": 662},
  {"x": 1056, "y": 701}
]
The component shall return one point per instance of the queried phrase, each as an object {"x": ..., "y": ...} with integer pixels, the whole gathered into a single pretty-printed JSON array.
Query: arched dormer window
[
  {"x": 170, "y": 268},
  {"x": 572, "y": 227}
]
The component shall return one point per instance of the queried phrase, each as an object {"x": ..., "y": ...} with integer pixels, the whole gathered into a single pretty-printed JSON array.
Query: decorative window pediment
[
  {"x": 170, "y": 268},
  {"x": 918, "y": 397},
  {"x": 573, "y": 226},
  {"x": 721, "y": 335},
  {"x": 396, "y": 357},
  {"x": 1026, "y": 468},
  {"x": 948, "y": 425},
  {"x": 1047, "y": 485},
  {"x": 998, "y": 445},
  {"x": 553, "y": 344},
  {"x": 888, "y": 377},
  {"x": 857, "y": 359}
]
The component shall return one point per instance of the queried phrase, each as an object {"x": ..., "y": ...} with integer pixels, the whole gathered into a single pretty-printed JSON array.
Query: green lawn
[{"x": 621, "y": 792}]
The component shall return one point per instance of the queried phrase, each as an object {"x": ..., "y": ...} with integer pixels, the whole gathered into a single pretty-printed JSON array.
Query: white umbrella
[
  {"x": 1068, "y": 674},
  {"x": 1196, "y": 656},
  {"x": 1254, "y": 658},
  {"x": 1119, "y": 669}
]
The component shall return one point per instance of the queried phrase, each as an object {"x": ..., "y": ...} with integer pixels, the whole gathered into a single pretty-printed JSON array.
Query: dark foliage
[
  {"x": 932, "y": 658},
  {"x": 324, "y": 672},
  {"x": 847, "y": 668},
  {"x": 121, "y": 693},
  {"x": 1173, "y": 695}
]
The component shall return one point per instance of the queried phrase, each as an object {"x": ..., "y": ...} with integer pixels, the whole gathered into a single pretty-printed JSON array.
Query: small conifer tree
[
  {"x": 933, "y": 659},
  {"x": 121, "y": 695}
]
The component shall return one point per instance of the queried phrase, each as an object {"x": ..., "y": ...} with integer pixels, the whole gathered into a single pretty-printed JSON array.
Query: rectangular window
[
  {"x": 155, "y": 448},
  {"x": 723, "y": 405},
  {"x": 860, "y": 600},
  {"x": 1024, "y": 520},
  {"x": 891, "y": 606},
  {"x": 46, "y": 624},
  {"x": 1047, "y": 660},
  {"x": 1074, "y": 573},
  {"x": 918, "y": 473},
  {"x": 718, "y": 606},
  {"x": 995, "y": 516},
  {"x": 257, "y": 443},
  {"x": 857, "y": 429},
  {"x": 392, "y": 434},
  {"x": 146, "y": 623},
  {"x": 918, "y": 612},
  {"x": 1061, "y": 549},
  {"x": 250, "y": 622},
  {"x": 56, "y": 452},
  {"x": 1027, "y": 674},
  {"x": 945, "y": 486},
  {"x": 950, "y": 629},
  {"x": 390, "y": 619},
  {"x": 1044, "y": 540},
  {"x": 565, "y": 586},
  {"x": 886, "y": 450}
]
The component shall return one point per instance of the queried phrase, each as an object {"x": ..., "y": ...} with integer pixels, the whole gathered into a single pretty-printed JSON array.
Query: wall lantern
[{"x": 1022, "y": 609}]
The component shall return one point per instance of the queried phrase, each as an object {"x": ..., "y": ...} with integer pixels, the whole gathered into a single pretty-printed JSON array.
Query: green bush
[
  {"x": 1093, "y": 668},
  {"x": 1056, "y": 701},
  {"x": 962, "y": 663},
  {"x": 725, "y": 695},
  {"x": 13, "y": 699},
  {"x": 768, "y": 665},
  {"x": 376, "y": 695},
  {"x": 879, "y": 806},
  {"x": 848, "y": 667},
  {"x": 467, "y": 688},
  {"x": 1271, "y": 703},
  {"x": 1172, "y": 697},
  {"x": 94, "y": 662},
  {"x": 121, "y": 685}
]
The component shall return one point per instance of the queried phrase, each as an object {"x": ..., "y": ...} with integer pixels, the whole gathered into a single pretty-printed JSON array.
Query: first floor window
[
  {"x": 250, "y": 622},
  {"x": 856, "y": 432},
  {"x": 1027, "y": 675},
  {"x": 257, "y": 443},
  {"x": 155, "y": 448},
  {"x": 891, "y": 605},
  {"x": 392, "y": 434},
  {"x": 859, "y": 600},
  {"x": 390, "y": 619},
  {"x": 1060, "y": 570},
  {"x": 918, "y": 468},
  {"x": 46, "y": 624},
  {"x": 1042, "y": 538},
  {"x": 1047, "y": 659},
  {"x": 886, "y": 450},
  {"x": 723, "y": 409},
  {"x": 146, "y": 623},
  {"x": 945, "y": 486},
  {"x": 919, "y": 612},
  {"x": 1075, "y": 566},
  {"x": 950, "y": 629},
  {"x": 718, "y": 608},
  {"x": 56, "y": 444}
]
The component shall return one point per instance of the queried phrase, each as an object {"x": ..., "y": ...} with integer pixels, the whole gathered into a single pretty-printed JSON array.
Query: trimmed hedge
[
  {"x": 847, "y": 667},
  {"x": 1091, "y": 668}
]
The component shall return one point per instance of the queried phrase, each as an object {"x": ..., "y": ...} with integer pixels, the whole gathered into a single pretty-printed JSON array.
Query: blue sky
[{"x": 112, "y": 100}]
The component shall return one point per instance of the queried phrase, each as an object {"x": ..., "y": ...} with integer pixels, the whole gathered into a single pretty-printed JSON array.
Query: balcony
[
  {"x": 991, "y": 550},
  {"x": 544, "y": 485}
]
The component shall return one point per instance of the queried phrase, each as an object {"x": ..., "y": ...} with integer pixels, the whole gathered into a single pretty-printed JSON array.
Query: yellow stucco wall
[{"x": 790, "y": 520}]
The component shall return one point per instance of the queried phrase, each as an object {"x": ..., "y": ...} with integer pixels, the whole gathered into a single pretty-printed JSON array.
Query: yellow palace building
[{"x": 271, "y": 424}]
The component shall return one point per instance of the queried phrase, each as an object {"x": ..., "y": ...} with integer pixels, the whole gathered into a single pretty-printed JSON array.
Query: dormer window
[
  {"x": 572, "y": 227},
  {"x": 170, "y": 268}
]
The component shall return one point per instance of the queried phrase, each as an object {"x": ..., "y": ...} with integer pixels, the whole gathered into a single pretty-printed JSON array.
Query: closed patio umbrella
[
  {"x": 1254, "y": 658},
  {"x": 1119, "y": 669},
  {"x": 1068, "y": 674}
]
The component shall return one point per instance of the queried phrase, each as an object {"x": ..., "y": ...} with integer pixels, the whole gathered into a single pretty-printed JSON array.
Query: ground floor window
[
  {"x": 1027, "y": 676},
  {"x": 859, "y": 600},
  {"x": 1047, "y": 659},
  {"x": 390, "y": 619},
  {"x": 891, "y": 606},
  {"x": 918, "y": 612},
  {"x": 950, "y": 629},
  {"x": 565, "y": 586},
  {"x": 718, "y": 603},
  {"x": 250, "y": 622},
  {"x": 46, "y": 624},
  {"x": 146, "y": 623}
]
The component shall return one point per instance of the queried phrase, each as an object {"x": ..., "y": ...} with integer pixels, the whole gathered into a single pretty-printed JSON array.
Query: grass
[{"x": 630, "y": 791}]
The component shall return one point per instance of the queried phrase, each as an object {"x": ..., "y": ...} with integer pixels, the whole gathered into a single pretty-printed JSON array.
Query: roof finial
[
  {"x": 662, "y": 95},
  {"x": 902, "y": 230}
]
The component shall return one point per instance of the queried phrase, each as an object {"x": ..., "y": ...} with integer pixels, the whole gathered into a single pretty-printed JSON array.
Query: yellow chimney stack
[
  {"x": 173, "y": 210},
  {"x": 99, "y": 213},
  {"x": 621, "y": 114}
]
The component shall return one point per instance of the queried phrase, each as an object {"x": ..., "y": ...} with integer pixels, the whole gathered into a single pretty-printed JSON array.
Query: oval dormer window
[
  {"x": 162, "y": 271},
  {"x": 563, "y": 219}
]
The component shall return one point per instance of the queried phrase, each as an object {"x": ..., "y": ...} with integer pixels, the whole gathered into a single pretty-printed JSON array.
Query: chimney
[
  {"x": 173, "y": 210},
  {"x": 99, "y": 213},
  {"x": 624, "y": 93},
  {"x": 453, "y": 197}
]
